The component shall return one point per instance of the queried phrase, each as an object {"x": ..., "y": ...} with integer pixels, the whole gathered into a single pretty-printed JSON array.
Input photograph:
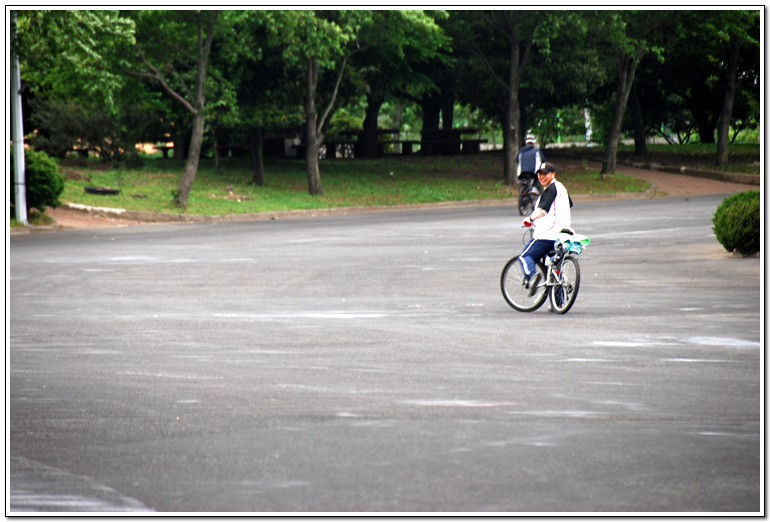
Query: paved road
[{"x": 368, "y": 363}]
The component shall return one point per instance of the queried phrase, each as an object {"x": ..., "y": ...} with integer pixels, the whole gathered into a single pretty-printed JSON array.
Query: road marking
[
  {"x": 722, "y": 341},
  {"x": 37, "y": 488},
  {"x": 306, "y": 315},
  {"x": 460, "y": 403},
  {"x": 686, "y": 360}
]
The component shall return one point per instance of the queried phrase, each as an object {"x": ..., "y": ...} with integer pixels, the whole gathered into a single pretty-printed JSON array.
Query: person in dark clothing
[{"x": 529, "y": 159}]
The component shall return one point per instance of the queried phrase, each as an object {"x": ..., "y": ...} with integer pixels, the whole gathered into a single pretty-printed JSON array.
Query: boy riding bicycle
[{"x": 551, "y": 215}]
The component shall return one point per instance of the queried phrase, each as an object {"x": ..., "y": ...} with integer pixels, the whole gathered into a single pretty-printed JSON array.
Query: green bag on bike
[{"x": 572, "y": 242}]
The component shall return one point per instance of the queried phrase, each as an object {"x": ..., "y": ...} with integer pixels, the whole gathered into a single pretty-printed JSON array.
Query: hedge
[{"x": 737, "y": 223}]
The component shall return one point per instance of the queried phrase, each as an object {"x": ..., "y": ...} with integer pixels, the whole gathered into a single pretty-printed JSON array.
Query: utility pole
[{"x": 17, "y": 134}]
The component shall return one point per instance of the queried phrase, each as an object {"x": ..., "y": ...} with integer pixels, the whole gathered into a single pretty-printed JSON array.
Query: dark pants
[
  {"x": 535, "y": 250},
  {"x": 527, "y": 175}
]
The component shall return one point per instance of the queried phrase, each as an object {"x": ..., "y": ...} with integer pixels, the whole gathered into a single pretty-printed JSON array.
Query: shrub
[
  {"x": 736, "y": 222},
  {"x": 64, "y": 124},
  {"x": 44, "y": 182}
]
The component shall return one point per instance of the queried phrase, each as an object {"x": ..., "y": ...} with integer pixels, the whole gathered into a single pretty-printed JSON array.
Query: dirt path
[
  {"x": 668, "y": 185},
  {"x": 677, "y": 185},
  {"x": 67, "y": 218}
]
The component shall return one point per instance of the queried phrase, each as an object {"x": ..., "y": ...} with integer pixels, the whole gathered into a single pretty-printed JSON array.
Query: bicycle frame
[
  {"x": 554, "y": 268},
  {"x": 553, "y": 263}
]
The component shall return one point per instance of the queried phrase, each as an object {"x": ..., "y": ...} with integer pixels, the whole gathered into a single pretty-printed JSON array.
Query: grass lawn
[{"x": 392, "y": 180}]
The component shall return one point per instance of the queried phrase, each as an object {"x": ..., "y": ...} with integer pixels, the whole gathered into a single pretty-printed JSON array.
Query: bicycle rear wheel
[
  {"x": 564, "y": 292},
  {"x": 526, "y": 201},
  {"x": 516, "y": 294}
]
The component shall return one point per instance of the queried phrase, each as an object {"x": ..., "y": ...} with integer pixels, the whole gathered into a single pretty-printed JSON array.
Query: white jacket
[{"x": 558, "y": 215}]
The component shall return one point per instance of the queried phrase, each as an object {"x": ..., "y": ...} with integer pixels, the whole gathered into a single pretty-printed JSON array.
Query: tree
[
  {"x": 318, "y": 40},
  {"x": 163, "y": 44},
  {"x": 740, "y": 26},
  {"x": 433, "y": 88},
  {"x": 687, "y": 76},
  {"x": 68, "y": 52},
  {"x": 74, "y": 53},
  {"x": 394, "y": 64},
  {"x": 685, "y": 91},
  {"x": 695, "y": 70},
  {"x": 266, "y": 98},
  {"x": 496, "y": 53},
  {"x": 519, "y": 37},
  {"x": 627, "y": 34},
  {"x": 565, "y": 71},
  {"x": 326, "y": 41}
]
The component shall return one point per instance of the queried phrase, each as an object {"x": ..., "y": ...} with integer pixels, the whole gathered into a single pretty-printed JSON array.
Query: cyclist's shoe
[{"x": 532, "y": 284}]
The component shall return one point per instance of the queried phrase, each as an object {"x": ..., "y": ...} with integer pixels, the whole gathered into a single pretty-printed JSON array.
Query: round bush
[
  {"x": 736, "y": 222},
  {"x": 44, "y": 182}
]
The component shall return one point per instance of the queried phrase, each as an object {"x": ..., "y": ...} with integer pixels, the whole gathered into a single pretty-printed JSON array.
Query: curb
[{"x": 161, "y": 217}]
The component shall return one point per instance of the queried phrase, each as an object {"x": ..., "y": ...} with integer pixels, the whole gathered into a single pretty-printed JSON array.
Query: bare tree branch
[
  {"x": 325, "y": 115},
  {"x": 156, "y": 75},
  {"x": 192, "y": 102}
]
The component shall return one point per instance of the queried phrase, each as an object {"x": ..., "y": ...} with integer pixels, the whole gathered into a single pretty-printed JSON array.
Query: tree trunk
[
  {"x": 525, "y": 124},
  {"x": 431, "y": 112},
  {"x": 509, "y": 146},
  {"x": 194, "y": 107},
  {"x": 199, "y": 115},
  {"x": 257, "y": 154},
  {"x": 217, "y": 158},
  {"x": 508, "y": 23},
  {"x": 431, "y": 120},
  {"x": 312, "y": 138},
  {"x": 640, "y": 135},
  {"x": 180, "y": 144},
  {"x": 368, "y": 147},
  {"x": 191, "y": 165},
  {"x": 511, "y": 131},
  {"x": 723, "y": 129},
  {"x": 448, "y": 112},
  {"x": 626, "y": 72},
  {"x": 313, "y": 135},
  {"x": 613, "y": 138},
  {"x": 703, "y": 113}
]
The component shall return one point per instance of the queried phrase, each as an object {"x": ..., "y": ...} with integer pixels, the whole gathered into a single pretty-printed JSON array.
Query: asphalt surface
[{"x": 369, "y": 364}]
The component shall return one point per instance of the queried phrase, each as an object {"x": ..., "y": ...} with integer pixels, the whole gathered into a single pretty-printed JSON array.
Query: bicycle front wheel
[
  {"x": 516, "y": 293},
  {"x": 564, "y": 292}
]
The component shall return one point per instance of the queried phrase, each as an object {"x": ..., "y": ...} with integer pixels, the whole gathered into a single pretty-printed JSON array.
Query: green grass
[
  {"x": 346, "y": 183},
  {"x": 591, "y": 182}
]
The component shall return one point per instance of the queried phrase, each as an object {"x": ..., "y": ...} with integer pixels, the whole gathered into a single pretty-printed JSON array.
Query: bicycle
[
  {"x": 557, "y": 277},
  {"x": 529, "y": 191}
]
